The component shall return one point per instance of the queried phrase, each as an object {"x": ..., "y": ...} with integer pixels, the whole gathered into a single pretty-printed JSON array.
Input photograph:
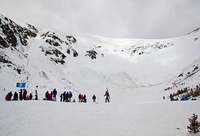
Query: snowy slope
[{"x": 136, "y": 71}]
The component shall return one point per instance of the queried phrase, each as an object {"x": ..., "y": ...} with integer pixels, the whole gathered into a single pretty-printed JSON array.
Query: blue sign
[{"x": 21, "y": 85}]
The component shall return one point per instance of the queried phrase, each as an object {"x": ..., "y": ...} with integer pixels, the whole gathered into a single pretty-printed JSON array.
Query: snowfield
[
  {"x": 125, "y": 115},
  {"x": 135, "y": 71}
]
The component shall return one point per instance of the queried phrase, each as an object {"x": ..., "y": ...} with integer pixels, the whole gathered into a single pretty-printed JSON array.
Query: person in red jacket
[
  {"x": 107, "y": 96},
  {"x": 6, "y": 98}
]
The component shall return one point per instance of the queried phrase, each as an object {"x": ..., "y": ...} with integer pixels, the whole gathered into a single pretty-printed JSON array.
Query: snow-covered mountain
[
  {"x": 138, "y": 73},
  {"x": 57, "y": 59}
]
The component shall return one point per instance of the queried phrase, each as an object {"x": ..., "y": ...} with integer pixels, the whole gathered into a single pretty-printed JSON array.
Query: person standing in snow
[
  {"x": 36, "y": 95},
  {"x": 30, "y": 96},
  {"x": 107, "y": 96},
  {"x": 67, "y": 97},
  {"x": 61, "y": 97},
  {"x": 54, "y": 94},
  {"x": 64, "y": 96},
  {"x": 24, "y": 94},
  {"x": 15, "y": 96},
  {"x": 70, "y": 95},
  {"x": 94, "y": 98},
  {"x": 51, "y": 96},
  {"x": 47, "y": 95},
  {"x": 79, "y": 98},
  {"x": 20, "y": 95},
  {"x": 10, "y": 96},
  {"x": 84, "y": 98}
]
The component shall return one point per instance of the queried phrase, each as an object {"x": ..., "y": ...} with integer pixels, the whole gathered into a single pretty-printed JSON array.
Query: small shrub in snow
[{"x": 194, "y": 124}]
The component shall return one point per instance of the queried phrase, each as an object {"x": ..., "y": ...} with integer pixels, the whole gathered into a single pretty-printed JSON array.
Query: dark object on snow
[
  {"x": 10, "y": 95},
  {"x": 20, "y": 95},
  {"x": 194, "y": 124},
  {"x": 30, "y": 96},
  {"x": 24, "y": 94},
  {"x": 79, "y": 97},
  {"x": 92, "y": 54},
  {"x": 61, "y": 97},
  {"x": 36, "y": 95},
  {"x": 84, "y": 98},
  {"x": 15, "y": 96},
  {"x": 194, "y": 98},
  {"x": 54, "y": 94},
  {"x": 94, "y": 98}
]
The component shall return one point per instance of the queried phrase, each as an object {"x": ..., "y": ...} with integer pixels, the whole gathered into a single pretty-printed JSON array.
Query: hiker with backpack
[{"x": 107, "y": 96}]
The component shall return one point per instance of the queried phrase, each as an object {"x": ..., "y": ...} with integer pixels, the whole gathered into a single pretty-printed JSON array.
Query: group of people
[
  {"x": 82, "y": 98},
  {"x": 66, "y": 97},
  {"x": 51, "y": 96},
  {"x": 22, "y": 95}
]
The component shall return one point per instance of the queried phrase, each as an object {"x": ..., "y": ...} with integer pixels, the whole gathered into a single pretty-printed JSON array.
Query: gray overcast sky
[{"x": 146, "y": 19}]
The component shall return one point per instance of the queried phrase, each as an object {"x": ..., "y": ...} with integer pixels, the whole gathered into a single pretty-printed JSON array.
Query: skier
[
  {"x": 94, "y": 98},
  {"x": 107, "y": 96}
]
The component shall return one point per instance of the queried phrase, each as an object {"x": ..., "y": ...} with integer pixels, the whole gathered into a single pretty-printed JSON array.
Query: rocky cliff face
[{"x": 13, "y": 34}]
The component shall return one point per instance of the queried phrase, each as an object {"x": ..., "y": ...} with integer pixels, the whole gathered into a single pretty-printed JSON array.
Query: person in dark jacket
[
  {"x": 24, "y": 94},
  {"x": 54, "y": 94},
  {"x": 79, "y": 98},
  {"x": 84, "y": 98},
  {"x": 36, "y": 95},
  {"x": 61, "y": 97},
  {"x": 94, "y": 98},
  {"x": 30, "y": 96},
  {"x": 10, "y": 96},
  {"x": 20, "y": 95},
  {"x": 64, "y": 96},
  {"x": 70, "y": 95},
  {"x": 15, "y": 96},
  {"x": 67, "y": 97}
]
